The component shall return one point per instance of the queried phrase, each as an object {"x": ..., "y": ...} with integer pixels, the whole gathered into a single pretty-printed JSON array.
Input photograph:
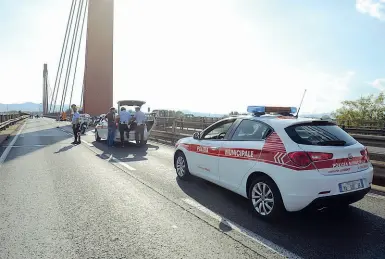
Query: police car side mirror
[{"x": 196, "y": 135}]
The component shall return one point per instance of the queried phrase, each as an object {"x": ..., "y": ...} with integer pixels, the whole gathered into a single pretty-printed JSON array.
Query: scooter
[{"x": 83, "y": 127}]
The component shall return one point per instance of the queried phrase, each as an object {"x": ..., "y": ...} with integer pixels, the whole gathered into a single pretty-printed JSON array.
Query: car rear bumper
[
  {"x": 336, "y": 200},
  {"x": 308, "y": 188}
]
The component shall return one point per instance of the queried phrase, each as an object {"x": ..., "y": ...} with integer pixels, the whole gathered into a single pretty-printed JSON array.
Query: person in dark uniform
[
  {"x": 111, "y": 120},
  {"x": 76, "y": 124}
]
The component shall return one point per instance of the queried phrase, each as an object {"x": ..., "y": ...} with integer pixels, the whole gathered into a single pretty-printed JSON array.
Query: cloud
[
  {"x": 374, "y": 8},
  {"x": 379, "y": 84}
]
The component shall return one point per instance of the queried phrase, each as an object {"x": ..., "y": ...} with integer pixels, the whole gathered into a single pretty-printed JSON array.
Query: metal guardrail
[
  {"x": 10, "y": 119},
  {"x": 365, "y": 131}
]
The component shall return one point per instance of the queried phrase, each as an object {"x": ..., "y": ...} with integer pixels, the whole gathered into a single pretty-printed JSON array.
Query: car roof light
[
  {"x": 256, "y": 109},
  {"x": 260, "y": 110}
]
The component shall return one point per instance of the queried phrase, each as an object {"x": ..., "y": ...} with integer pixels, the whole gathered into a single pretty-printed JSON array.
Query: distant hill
[{"x": 26, "y": 107}]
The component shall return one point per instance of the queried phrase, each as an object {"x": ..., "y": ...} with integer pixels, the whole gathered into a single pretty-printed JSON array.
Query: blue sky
[{"x": 210, "y": 55}]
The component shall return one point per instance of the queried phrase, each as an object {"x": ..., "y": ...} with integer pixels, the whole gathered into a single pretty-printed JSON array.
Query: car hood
[{"x": 185, "y": 140}]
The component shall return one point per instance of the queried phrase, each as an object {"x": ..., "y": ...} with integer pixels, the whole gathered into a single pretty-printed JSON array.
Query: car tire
[
  {"x": 181, "y": 166},
  {"x": 269, "y": 205},
  {"x": 97, "y": 137}
]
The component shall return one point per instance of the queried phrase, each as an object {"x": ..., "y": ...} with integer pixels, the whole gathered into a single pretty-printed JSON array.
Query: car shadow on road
[
  {"x": 354, "y": 233},
  {"x": 129, "y": 153}
]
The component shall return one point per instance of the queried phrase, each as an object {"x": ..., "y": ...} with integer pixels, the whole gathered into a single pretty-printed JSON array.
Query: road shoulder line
[
  {"x": 9, "y": 147},
  {"x": 249, "y": 234}
]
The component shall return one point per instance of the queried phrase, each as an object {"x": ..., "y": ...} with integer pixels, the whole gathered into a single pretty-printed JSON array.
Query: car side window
[
  {"x": 219, "y": 131},
  {"x": 251, "y": 130}
]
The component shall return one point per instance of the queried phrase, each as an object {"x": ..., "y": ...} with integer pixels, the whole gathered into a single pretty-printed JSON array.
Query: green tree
[
  {"x": 179, "y": 114},
  {"x": 369, "y": 108}
]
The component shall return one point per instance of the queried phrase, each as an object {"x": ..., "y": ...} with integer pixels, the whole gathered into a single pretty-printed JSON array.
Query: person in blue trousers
[{"x": 111, "y": 126}]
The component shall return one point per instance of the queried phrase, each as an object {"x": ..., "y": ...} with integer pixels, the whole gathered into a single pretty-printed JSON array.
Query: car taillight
[
  {"x": 302, "y": 158},
  {"x": 365, "y": 153}
]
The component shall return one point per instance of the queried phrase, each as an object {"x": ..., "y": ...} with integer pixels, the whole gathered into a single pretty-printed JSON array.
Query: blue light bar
[
  {"x": 256, "y": 109},
  {"x": 271, "y": 109},
  {"x": 293, "y": 110}
]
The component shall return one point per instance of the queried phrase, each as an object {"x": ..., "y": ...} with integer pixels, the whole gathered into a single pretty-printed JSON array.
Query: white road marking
[
  {"x": 89, "y": 144},
  {"x": 8, "y": 149},
  {"x": 260, "y": 240},
  {"x": 123, "y": 164},
  {"x": 17, "y": 146}
]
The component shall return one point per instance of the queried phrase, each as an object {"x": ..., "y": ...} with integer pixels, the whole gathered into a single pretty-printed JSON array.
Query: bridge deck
[{"x": 64, "y": 201}]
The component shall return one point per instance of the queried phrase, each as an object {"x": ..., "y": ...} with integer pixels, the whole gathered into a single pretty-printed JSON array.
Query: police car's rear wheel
[
  {"x": 181, "y": 166},
  {"x": 265, "y": 198}
]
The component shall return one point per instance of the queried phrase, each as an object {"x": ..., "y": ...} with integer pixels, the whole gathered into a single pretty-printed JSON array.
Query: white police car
[
  {"x": 101, "y": 129},
  {"x": 279, "y": 162}
]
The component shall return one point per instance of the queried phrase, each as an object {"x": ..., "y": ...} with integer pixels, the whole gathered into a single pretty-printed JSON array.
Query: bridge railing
[
  {"x": 171, "y": 129},
  {"x": 9, "y": 119}
]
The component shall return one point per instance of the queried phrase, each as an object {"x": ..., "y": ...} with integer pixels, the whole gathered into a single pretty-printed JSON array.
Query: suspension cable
[
  {"x": 65, "y": 52},
  {"x": 81, "y": 98},
  {"x": 78, "y": 51},
  {"x": 62, "y": 55},
  {"x": 71, "y": 54}
]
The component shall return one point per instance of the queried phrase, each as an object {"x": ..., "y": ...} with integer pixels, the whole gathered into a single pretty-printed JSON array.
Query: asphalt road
[{"x": 58, "y": 200}]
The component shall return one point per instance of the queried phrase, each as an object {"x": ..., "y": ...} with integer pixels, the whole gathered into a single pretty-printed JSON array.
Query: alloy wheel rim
[
  {"x": 180, "y": 166},
  {"x": 262, "y": 198}
]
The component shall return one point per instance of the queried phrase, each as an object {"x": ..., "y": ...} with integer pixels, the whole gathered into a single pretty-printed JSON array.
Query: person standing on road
[
  {"x": 111, "y": 126},
  {"x": 140, "y": 119},
  {"x": 124, "y": 118},
  {"x": 76, "y": 124}
]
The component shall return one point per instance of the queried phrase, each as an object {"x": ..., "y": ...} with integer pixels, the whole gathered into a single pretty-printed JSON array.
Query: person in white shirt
[
  {"x": 140, "y": 119},
  {"x": 124, "y": 118},
  {"x": 76, "y": 124}
]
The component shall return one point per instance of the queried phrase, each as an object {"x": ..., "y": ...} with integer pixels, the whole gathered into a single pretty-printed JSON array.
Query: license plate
[{"x": 351, "y": 186}]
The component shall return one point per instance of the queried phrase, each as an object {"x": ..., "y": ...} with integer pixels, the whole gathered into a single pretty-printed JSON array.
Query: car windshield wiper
[{"x": 332, "y": 143}]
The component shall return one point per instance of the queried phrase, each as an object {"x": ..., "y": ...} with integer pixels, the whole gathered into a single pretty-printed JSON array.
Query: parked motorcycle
[{"x": 83, "y": 127}]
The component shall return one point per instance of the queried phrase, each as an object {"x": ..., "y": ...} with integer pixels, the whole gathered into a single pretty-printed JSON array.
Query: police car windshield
[{"x": 319, "y": 134}]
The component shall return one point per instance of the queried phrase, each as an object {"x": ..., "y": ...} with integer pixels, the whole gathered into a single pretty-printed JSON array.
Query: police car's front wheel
[
  {"x": 265, "y": 198},
  {"x": 181, "y": 166}
]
